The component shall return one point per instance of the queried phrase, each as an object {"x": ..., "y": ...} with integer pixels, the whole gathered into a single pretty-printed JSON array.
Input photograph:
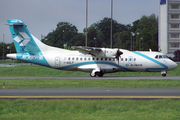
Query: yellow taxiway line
[{"x": 88, "y": 97}]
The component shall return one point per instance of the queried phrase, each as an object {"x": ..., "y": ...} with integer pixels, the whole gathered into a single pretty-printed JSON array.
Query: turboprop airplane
[{"x": 96, "y": 61}]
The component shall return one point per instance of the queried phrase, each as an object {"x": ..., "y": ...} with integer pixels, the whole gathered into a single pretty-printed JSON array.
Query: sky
[{"x": 42, "y": 16}]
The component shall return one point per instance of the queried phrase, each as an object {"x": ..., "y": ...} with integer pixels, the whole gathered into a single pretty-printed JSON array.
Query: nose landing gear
[{"x": 163, "y": 73}]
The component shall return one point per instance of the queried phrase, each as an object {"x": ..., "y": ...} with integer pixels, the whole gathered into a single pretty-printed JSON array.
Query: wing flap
[{"x": 88, "y": 50}]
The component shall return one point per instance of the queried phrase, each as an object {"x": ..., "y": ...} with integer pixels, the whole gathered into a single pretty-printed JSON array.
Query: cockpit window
[
  {"x": 160, "y": 56},
  {"x": 156, "y": 57},
  {"x": 164, "y": 56}
]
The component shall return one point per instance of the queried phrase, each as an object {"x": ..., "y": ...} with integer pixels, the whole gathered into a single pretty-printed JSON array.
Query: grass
[
  {"x": 10, "y": 61},
  {"x": 75, "y": 109},
  {"x": 36, "y": 70},
  {"x": 55, "y": 83}
]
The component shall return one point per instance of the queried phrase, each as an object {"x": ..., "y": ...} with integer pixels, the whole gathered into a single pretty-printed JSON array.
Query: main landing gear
[
  {"x": 164, "y": 73},
  {"x": 100, "y": 74}
]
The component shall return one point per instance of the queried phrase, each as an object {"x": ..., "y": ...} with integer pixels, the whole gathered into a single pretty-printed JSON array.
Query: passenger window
[
  {"x": 97, "y": 59},
  {"x": 126, "y": 59},
  {"x": 76, "y": 58},
  {"x": 84, "y": 58},
  {"x": 156, "y": 56},
  {"x": 160, "y": 57},
  {"x": 109, "y": 59},
  {"x": 69, "y": 58},
  {"x": 113, "y": 59},
  {"x": 134, "y": 59},
  {"x": 101, "y": 59},
  {"x": 129, "y": 59},
  {"x": 121, "y": 59},
  {"x": 105, "y": 59},
  {"x": 89, "y": 58},
  {"x": 80, "y": 58},
  {"x": 73, "y": 58},
  {"x": 93, "y": 58}
]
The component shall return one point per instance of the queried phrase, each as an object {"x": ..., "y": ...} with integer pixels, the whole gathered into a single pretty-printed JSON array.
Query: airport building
[{"x": 169, "y": 26}]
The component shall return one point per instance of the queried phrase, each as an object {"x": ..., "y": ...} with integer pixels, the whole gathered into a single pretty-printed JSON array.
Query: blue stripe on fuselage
[
  {"x": 94, "y": 62},
  {"x": 153, "y": 60}
]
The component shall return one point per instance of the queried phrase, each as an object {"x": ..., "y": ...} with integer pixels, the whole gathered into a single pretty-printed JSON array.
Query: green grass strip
[
  {"x": 79, "y": 109},
  {"x": 55, "y": 83}
]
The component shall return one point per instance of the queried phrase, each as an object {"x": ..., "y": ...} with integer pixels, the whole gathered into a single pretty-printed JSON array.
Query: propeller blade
[{"x": 118, "y": 54}]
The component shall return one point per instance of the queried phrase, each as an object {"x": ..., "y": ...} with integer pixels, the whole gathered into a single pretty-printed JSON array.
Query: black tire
[
  {"x": 100, "y": 74},
  {"x": 164, "y": 75}
]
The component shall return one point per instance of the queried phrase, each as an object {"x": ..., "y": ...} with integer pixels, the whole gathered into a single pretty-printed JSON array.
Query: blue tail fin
[{"x": 23, "y": 40}]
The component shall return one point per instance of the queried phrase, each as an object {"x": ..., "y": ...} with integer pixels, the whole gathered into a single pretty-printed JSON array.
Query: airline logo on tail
[{"x": 23, "y": 40}]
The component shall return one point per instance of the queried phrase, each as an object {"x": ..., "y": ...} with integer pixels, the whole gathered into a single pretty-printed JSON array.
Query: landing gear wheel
[
  {"x": 164, "y": 75},
  {"x": 100, "y": 74},
  {"x": 93, "y": 75}
]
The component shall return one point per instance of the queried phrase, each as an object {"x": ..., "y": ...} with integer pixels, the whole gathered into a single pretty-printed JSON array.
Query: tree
[
  {"x": 65, "y": 33},
  {"x": 105, "y": 26},
  {"x": 148, "y": 29},
  {"x": 95, "y": 36},
  {"x": 135, "y": 25},
  {"x": 99, "y": 34},
  {"x": 176, "y": 56},
  {"x": 122, "y": 40},
  {"x": 7, "y": 49},
  {"x": 80, "y": 40}
]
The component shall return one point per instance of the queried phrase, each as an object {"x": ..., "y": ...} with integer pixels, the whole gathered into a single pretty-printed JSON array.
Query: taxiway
[{"x": 89, "y": 93}]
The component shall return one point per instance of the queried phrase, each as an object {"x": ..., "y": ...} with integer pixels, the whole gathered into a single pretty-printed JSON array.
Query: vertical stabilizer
[
  {"x": 22, "y": 38},
  {"x": 28, "y": 47}
]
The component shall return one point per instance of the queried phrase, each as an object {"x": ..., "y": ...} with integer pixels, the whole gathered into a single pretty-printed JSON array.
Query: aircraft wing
[{"x": 88, "y": 50}]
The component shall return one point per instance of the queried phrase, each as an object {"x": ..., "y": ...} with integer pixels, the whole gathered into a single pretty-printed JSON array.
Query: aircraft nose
[{"x": 172, "y": 65}]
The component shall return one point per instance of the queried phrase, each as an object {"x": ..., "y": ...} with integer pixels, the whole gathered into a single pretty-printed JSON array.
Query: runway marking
[{"x": 89, "y": 97}]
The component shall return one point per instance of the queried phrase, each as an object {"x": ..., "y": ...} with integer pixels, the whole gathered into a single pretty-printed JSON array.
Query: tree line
[{"x": 141, "y": 35}]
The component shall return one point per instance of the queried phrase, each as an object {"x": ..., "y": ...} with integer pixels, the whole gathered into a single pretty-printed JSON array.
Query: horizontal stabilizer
[{"x": 15, "y": 24}]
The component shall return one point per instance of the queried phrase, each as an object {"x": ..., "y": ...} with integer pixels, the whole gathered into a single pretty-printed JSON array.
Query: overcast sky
[{"x": 42, "y": 16}]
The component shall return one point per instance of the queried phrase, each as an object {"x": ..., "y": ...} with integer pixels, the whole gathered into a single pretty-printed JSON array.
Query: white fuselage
[
  {"x": 129, "y": 61},
  {"x": 97, "y": 61}
]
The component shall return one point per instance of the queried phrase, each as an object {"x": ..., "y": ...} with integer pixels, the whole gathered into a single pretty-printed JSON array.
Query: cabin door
[{"x": 57, "y": 61}]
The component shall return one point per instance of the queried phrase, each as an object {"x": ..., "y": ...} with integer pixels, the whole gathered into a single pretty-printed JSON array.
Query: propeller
[{"x": 118, "y": 54}]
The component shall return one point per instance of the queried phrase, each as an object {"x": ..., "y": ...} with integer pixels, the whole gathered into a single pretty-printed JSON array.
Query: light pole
[
  {"x": 132, "y": 40},
  {"x": 133, "y": 34},
  {"x": 3, "y": 46},
  {"x": 137, "y": 33},
  {"x": 86, "y": 20},
  {"x": 111, "y": 21},
  {"x": 9, "y": 47},
  {"x": 142, "y": 43},
  {"x": 95, "y": 41}
]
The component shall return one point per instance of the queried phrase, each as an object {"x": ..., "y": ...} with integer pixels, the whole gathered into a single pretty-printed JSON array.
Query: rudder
[{"x": 22, "y": 38}]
